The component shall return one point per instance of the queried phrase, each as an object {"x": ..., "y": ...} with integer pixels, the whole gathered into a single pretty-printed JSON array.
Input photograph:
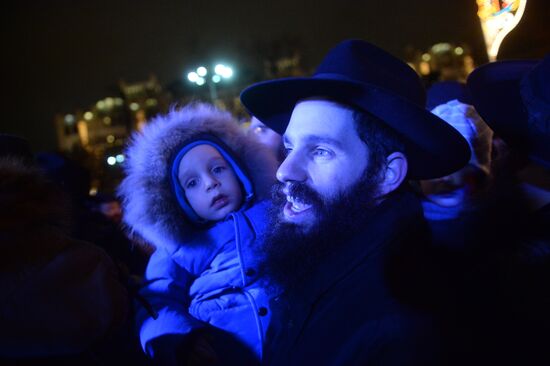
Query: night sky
[{"x": 59, "y": 55}]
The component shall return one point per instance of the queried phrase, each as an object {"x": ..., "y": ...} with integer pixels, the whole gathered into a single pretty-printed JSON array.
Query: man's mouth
[
  {"x": 295, "y": 206},
  {"x": 219, "y": 201}
]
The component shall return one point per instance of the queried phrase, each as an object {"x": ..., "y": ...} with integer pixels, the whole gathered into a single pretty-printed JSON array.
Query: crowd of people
[{"x": 358, "y": 220}]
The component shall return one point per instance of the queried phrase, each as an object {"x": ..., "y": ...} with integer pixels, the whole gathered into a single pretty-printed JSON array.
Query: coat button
[
  {"x": 250, "y": 272},
  {"x": 262, "y": 311}
]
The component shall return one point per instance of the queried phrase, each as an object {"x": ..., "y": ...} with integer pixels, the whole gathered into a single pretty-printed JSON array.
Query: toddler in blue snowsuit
[{"x": 193, "y": 189}]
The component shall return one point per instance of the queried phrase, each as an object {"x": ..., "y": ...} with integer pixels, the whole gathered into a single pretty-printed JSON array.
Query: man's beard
[{"x": 291, "y": 252}]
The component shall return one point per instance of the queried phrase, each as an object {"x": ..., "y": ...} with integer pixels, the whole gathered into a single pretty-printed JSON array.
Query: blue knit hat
[{"x": 225, "y": 152}]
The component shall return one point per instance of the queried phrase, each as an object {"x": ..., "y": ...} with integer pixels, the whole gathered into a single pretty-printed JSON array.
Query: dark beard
[{"x": 292, "y": 252}]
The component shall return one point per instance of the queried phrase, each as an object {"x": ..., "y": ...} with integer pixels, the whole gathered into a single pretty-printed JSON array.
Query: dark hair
[{"x": 380, "y": 139}]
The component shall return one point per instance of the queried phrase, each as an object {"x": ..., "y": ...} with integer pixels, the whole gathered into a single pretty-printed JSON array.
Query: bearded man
[{"x": 346, "y": 226}]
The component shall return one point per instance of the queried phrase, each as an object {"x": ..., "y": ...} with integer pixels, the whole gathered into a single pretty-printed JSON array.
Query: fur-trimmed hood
[{"x": 149, "y": 205}]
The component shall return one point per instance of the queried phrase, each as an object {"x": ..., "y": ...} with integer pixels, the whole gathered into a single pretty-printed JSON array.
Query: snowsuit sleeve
[{"x": 167, "y": 291}]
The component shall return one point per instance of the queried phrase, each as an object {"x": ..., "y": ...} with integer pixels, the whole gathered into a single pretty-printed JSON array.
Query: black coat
[{"x": 364, "y": 305}]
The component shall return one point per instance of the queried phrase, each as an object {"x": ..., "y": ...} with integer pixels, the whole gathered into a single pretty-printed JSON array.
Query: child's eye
[
  {"x": 218, "y": 169},
  {"x": 191, "y": 183}
]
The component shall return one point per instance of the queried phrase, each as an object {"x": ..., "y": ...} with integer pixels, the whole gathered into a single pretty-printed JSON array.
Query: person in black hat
[
  {"x": 346, "y": 232},
  {"x": 513, "y": 97}
]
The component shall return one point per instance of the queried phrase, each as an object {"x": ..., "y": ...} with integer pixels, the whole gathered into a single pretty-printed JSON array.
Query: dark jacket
[
  {"x": 58, "y": 296},
  {"x": 361, "y": 306}
]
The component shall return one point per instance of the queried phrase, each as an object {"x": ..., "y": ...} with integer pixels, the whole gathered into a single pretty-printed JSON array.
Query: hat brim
[{"x": 433, "y": 148}]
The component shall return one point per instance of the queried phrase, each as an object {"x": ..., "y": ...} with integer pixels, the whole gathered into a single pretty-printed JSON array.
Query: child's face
[{"x": 209, "y": 182}]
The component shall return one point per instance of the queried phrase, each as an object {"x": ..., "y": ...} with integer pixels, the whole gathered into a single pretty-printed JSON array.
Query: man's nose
[{"x": 292, "y": 169}]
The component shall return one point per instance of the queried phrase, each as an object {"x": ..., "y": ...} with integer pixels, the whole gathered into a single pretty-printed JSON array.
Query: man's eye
[
  {"x": 322, "y": 153},
  {"x": 191, "y": 183}
]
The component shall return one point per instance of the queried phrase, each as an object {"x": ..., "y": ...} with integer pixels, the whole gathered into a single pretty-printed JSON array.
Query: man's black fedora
[
  {"x": 362, "y": 75},
  {"x": 495, "y": 92},
  {"x": 506, "y": 93}
]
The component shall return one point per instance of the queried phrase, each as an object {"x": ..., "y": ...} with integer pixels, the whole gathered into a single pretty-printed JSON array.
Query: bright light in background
[
  {"x": 100, "y": 104},
  {"x": 223, "y": 71},
  {"x": 199, "y": 78},
  {"x": 227, "y": 72},
  {"x": 111, "y": 160},
  {"x": 69, "y": 119},
  {"x": 459, "y": 51},
  {"x": 88, "y": 116},
  {"x": 426, "y": 57},
  {"x": 193, "y": 77},
  {"x": 110, "y": 139},
  {"x": 498, "y": 18},
  {"x": 134, "y": 106},
  {"x": 120, "y": 158},
  {"x": 219, "y": 69},
  {"x": 201, "y": 71},
  {"x": 441, "y": 47},
  {"x": 424, "y": 68}
]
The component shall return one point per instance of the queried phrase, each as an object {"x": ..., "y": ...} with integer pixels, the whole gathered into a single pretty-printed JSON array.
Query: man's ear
[{"x": 394, "y": 174}]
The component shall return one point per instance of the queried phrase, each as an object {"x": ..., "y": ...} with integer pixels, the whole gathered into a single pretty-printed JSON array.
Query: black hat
[
  {"x": 495, "y": 92},
  {"x": 535, "y": 91},
  {"x": 366, "y": 77}
]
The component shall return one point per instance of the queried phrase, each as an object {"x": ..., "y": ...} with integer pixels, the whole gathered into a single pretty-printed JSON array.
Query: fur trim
[{"x": 149, "y": 206}]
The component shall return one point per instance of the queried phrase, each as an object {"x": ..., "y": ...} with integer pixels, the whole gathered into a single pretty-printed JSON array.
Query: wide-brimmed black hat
[
  {"x": 495, "y": 91},
  {"x": 513, "y": 97},
  {"x": 366, "y": 77},
  {"x": 535, "y": 91}
]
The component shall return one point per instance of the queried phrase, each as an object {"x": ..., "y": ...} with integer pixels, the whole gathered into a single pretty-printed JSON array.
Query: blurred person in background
[
  {"x": 108, "y": 206},
  {"x": 60, "y": 296},
  {"x": 265, "y": 135},
  {"x": 452, "y": 204},
  {"x": 513, "y": 97}
]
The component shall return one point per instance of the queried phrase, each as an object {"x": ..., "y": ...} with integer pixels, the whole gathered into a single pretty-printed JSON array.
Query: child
[{"x": 188, "y": 192}]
